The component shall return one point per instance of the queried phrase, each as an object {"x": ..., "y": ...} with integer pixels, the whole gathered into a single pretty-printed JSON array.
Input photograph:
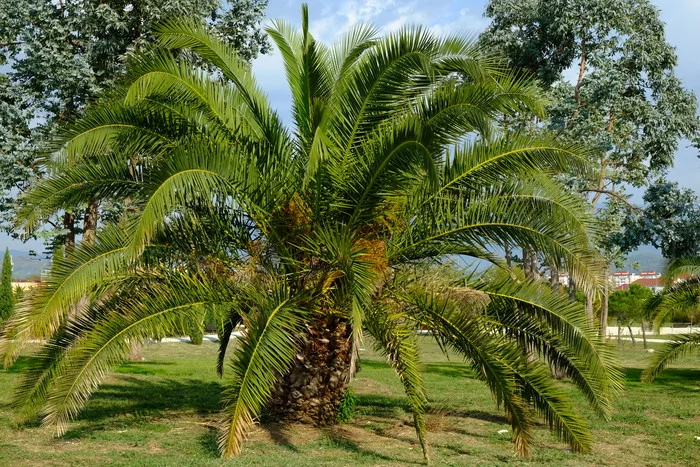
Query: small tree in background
[
  {"x": 629, "y": 306},
  {"x": 7, "y": 301}
]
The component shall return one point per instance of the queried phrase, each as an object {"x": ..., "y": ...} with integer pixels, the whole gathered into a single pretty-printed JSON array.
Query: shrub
[{"x": 346, "y": 410}]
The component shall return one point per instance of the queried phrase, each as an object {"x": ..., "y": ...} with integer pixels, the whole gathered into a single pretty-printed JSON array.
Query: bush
[
  {"x": 196, "y": 333},
  {"x": 346, "y": 410},
  {"x": 19, "y": 294}
]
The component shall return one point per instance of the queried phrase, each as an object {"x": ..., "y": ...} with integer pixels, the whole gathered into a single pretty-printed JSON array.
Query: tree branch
[
  {"x": 7, "y": 44},
  {"x": 613, "y": 194},
  {"x": 579, "y": 82}
]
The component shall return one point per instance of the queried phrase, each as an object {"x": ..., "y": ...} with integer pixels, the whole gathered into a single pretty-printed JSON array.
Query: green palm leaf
[
  {"x": 669, "y": 353},
  {"x": 266, "y": 351}
]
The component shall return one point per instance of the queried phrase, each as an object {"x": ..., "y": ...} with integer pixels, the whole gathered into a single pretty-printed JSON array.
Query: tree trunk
[
  {"x": 629, "y": 327},
  {"x": 135, "y": 351},
  {"x": 572, "y": 288},
  {"x": 531, "y": 265},
  {"x": 90, "y": 223},
  {"x": 508, "y": 253},
  {"x": 604, "y": 306},
  {"x": 312, "y": 390},
  {"x": 554, "y": 279},
  {"x": 69, "y": 225},
  {"x": 534, "y": 264},
  {"x": 527, "y": 264},
  {"x": 644, "y": 335}
]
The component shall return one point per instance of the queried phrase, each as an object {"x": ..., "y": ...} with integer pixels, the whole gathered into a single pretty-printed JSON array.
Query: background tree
[
  {"x": 7, "y": 299},
  {"x": 630, "y": 306},
  {"x": 59, "y": 57},
  {"x": 670, "y": 221},
  {"x": 312, "y": 235},
  {"x": 625, "y": 102}
]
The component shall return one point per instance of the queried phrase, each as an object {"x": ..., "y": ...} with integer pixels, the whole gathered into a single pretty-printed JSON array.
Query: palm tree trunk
[
  {"x": 531, "y": 264},
  {"x": 312, "y": 390},
  {"x": 534, "y": 264},
  {"x": 527, "y": 264}
]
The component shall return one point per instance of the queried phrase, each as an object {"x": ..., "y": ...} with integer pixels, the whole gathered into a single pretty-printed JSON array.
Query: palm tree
[
  {"x": 315, "y": 236},
  {"x": 682, "y": 297}
]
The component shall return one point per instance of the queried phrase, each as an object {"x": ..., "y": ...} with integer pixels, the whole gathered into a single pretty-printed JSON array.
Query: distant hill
[
  {"x": 25, "y": 266},
  {"x": 648, "y": 257}
]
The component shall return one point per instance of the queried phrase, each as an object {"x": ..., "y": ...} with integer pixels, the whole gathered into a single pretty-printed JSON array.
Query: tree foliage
[
  {"x": 670, "y": 221},
  {"x": 394, "y": 165},
  {"x": 625, "y": 102},
  {"x": 631, "y": 304},
  {"x": 59, "y": 57}
]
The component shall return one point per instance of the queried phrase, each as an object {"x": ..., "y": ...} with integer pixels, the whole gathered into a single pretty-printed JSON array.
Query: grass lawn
[{"x": 163, "y": 411}]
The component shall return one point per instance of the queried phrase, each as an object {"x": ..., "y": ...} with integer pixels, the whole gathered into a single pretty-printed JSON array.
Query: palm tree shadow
[
  {"x": 674, "y": 380},
  {"x": 209, "y": 443},
  {"x": 137, "y": 400},
  {"x": 280, "y": 435},
  {"x": 342, "y": 439}
]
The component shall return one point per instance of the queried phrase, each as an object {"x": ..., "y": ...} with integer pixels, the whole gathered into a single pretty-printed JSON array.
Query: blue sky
[{"x": 330, "y": 18}]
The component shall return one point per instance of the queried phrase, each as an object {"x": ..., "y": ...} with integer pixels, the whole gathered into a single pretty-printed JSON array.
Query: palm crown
[{"x": 311, "y": 237}]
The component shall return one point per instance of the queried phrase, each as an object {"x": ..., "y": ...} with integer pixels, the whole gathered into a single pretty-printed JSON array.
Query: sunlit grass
[{"x": 163, "y": 411}]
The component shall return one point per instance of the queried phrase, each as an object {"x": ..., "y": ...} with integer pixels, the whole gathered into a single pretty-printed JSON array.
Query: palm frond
[
  {"x": 188, "y": 34},
  {"x": 73, "y": 277},
  {"x": 490, "y": 357},
  {"x": 543, "y": 319},
  {"x": 682, "y": 266},
  {"x": 398, "y": 343},
  {"x": 683, "y": 297},
  {"x": 101, "y": 340},
  {"x": 265, "y": 352},
  {"x": 669, "y": 353}
]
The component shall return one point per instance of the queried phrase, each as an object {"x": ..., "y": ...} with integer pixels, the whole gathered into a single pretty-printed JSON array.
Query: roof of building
[
  {"x": 649, "y": 273},
  {"x": 621, "y": 273},
  {"x": 648, "y": 282}
]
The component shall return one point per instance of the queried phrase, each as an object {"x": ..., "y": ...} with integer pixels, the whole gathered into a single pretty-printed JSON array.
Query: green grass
[{"x": 163, "y": 411}]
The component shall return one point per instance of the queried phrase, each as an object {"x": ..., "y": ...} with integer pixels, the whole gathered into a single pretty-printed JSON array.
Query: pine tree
[{"x": 6, "y": 294}]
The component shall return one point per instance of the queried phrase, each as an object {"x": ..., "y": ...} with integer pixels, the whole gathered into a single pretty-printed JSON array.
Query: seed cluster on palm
[{"x": 315, "y": 237}]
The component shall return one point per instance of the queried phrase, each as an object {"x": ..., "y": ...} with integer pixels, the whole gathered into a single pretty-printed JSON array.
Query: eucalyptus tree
[
  {"x": 670, "y": 221},
  {"x": 314, "y": 236},
  {"x": 58, "y": 57},
  {"x": 681, "y": 296},
  {"x": 625, "y": 99}
]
